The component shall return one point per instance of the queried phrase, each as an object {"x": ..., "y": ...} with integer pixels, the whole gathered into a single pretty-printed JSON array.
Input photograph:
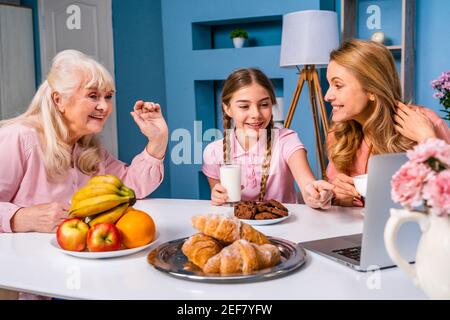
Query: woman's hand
[
  {"x": 413, "y": 124},
  {"x": 345, "y": 192},
  {"x": 40, "y": 218},
  {"x": 318, "y": 194},
  {"x": 148, "y": 117},
  {"x": 218, "y": 195}
]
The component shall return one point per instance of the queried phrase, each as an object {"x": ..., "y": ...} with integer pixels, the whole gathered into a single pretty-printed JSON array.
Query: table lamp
[{"x": 307, "y": 39}]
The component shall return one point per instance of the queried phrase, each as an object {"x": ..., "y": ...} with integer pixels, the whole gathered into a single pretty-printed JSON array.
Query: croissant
[
  {"x": 243, "y": 257},
  {"x": 199, "y": 248},
  {"x": 228, "y": 229}
]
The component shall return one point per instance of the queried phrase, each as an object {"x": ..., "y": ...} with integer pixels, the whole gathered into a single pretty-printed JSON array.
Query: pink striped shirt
[{"x": 23, "y": 178}]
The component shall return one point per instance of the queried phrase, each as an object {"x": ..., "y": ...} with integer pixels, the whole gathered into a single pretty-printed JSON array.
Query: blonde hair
[
  {"x": 237, "y": 80},
  {"x": 373, "y": 66},
  {"x": 70, "y": 71}
]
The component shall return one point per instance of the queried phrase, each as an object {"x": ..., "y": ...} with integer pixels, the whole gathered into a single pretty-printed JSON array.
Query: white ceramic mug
[
  {"x": 360, "y": 183},
  {"x": 230, "y": 179}
]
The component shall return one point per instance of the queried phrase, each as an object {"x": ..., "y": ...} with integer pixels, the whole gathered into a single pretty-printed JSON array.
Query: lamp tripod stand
[{"x": 309, "y": 74}]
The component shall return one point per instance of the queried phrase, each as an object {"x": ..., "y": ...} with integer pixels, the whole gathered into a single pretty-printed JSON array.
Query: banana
[
  {"x": 110, "y": 216},
  {"x": 90, "y": 191},
  {"x": 107, "y": 178},
  {"x": 130, "y": 193},
  {"x": 95, "y": 205}
]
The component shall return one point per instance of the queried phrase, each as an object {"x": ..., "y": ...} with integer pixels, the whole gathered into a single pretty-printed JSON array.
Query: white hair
[{"x": 70, "y": 71}]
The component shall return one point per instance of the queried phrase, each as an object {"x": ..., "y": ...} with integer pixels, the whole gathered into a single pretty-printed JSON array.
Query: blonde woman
[
  {"x": 368, "y": 116},
  {"x": 51, "y": 150},
  {"x": 271, "y": 159}
]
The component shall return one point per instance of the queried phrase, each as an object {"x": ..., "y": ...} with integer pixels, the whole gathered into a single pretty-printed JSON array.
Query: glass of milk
[{"x": 230, "y": 179}]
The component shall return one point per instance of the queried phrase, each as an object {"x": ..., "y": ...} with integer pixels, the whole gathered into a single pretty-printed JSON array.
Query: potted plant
[{"x": 239, "y": 36}]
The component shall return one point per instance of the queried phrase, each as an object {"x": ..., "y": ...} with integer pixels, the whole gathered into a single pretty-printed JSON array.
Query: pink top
[
  {"x": 280, "y": 184},
  {"x": 362, "y": 156},
  {"x": 23, "y": 179}
]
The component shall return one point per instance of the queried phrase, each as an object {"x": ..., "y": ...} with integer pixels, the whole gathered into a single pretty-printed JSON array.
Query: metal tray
[{"x": 169, "y": 258}]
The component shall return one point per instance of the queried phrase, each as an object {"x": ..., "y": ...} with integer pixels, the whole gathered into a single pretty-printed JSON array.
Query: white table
[{"x": 29, "y": 263}]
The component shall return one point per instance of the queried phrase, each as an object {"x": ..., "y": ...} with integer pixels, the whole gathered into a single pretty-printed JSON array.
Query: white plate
[
  {"x": 103, "y": 254},
  {"x": 265, "y": 221}
]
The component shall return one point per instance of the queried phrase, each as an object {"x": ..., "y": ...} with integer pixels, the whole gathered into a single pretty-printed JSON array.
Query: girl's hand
[
  {"x": 218, "y": 195},
  {"x": 413, "y": 124},
  {"x": 149, "y": 119},
  {"x": 40, "y": 218},
  {"x": 318, "y": 194}
]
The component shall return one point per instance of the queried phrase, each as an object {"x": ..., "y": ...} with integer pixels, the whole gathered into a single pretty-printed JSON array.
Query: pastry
[
  {"x": 227, "y": 229},
  {"x": 243, "y": 257},
  {"x": 199, "y": 248}
]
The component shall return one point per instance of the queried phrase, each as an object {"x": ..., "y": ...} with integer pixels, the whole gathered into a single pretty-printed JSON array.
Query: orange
[{"x": 136, "y": 227}]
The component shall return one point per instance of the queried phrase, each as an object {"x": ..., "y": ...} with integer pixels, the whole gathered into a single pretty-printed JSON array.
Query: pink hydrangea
[
  {"x": 437, "y": 193},
  {"x": 407, "y": 183},
  {"x": 435, "y": 148}
]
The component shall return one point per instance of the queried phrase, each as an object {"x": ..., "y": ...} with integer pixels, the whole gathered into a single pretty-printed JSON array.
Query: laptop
[{"x": 366, "y": 251}]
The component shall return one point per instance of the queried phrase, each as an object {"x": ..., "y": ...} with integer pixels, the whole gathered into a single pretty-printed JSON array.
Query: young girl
[{"x": 271, "y": 159}]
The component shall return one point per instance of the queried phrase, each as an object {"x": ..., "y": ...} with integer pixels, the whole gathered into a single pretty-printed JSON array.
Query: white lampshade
[{"x": 308, "y": 37}]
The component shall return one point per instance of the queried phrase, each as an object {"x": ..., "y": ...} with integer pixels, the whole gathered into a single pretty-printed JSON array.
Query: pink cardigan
[{"x": 23, "y": 179}]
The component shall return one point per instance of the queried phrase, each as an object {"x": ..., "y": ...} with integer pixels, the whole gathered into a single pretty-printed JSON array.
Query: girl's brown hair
[
  {"x": 237, "y": 80},
  {"x": 374, "y": 67}
]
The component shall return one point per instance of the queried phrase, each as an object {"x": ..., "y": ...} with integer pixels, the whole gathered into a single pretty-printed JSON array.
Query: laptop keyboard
[{"x": 352, "y": 253}]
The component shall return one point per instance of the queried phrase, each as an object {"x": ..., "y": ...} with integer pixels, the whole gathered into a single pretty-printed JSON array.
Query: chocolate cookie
[
  {"x": 265, "y": 216},
  {"x": 276, "y": 204},
  {"x": 278, "y": 212},
  {"x": 245, "y": 210}
]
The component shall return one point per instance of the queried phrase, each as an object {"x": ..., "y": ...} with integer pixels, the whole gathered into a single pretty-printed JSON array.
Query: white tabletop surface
[{"x": 28, "y": 263}]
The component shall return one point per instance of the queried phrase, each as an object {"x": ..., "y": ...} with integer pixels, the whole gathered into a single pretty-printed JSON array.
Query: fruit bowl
[{"x": 102, "y": 254}]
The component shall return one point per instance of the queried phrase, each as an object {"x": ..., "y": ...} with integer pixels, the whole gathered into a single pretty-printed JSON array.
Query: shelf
[
  {"x": 394, "y": 48},
  {"x": 263, "y": 31},
  {"x": 403, "y": 53}
]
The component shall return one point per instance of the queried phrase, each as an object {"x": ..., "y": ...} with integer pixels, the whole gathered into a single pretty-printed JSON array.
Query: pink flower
[
  {"x": 437, "y": 193},
  {"x": 435, "y": 148},
  {"x": 407, "y": 183}
]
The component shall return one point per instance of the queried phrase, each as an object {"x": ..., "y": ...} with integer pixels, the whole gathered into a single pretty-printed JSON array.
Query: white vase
[
  {"x": 238, "y": 42},
  {"x": 431, "y": 271}
]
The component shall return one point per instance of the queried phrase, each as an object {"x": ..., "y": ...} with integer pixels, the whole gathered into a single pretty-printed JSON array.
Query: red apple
[
  {"x": 71, "y": 234},
  {"x": 104, "y": 237}
]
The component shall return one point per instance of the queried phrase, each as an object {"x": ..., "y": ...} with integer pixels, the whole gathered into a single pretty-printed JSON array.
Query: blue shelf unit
[{"x": 199, "y": 57}]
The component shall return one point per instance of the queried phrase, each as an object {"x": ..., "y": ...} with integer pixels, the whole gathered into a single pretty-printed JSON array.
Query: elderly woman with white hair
[{"x": 52, "y": 149}]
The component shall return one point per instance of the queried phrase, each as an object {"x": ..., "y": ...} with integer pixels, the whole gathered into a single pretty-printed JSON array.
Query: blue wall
[
  {"x": 432, "y": 48},
  {"x": 37, "y": 53},
  {"x": 139, "y": 71},
  {"x": 431, "y": 40},
  {"x": 147, "y": 69},
  {"x": 184, "y": 67}
]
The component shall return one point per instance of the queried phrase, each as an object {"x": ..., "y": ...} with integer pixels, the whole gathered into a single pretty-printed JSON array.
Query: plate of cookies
[
  {"x": 261, "y": 213},
  {"x": 227, "y": 250}
]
